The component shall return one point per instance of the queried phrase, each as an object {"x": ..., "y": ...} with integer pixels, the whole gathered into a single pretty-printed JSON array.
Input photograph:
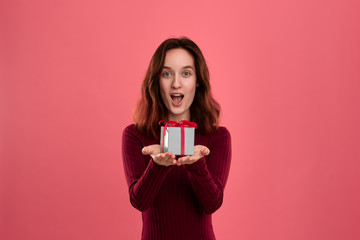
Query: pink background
[{"x": 287, "y": 74}]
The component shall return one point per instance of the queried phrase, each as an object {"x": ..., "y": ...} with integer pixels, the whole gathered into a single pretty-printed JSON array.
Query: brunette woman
[{"x": 176, "y": 194}]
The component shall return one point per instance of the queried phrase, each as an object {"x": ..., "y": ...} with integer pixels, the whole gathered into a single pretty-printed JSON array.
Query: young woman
[{"x": 176, "y": 194}]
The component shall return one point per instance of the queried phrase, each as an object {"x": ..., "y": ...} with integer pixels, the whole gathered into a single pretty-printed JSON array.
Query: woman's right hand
[{"x": 164, "y": 159}]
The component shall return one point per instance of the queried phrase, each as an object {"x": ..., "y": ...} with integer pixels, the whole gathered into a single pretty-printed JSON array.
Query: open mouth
[{"x": 177, "y": 98}]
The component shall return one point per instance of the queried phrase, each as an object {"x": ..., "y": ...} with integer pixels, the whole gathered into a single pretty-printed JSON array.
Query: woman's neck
[{"x": 179, "y": 117}]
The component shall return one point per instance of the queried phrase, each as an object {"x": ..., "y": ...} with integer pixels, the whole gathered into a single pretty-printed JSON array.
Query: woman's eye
[
  {"x": 166, "y": 74},
  {"x": 186, "y": 74}
]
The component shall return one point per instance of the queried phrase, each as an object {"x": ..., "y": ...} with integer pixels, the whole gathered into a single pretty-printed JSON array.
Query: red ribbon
[{"x": 182, "y": 124}]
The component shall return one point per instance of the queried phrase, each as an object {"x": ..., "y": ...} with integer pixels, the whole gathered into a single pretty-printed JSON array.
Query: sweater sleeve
[
  {"x": 208, "y": 177},
  {"x": 144, "y": 180}
]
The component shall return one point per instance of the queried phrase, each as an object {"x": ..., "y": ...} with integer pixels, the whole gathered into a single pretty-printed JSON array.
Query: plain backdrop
[{"x": 286, "y": 73}]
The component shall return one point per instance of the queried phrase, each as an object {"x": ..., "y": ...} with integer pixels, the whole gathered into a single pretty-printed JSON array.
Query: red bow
[{"x": 182, "y": 124}]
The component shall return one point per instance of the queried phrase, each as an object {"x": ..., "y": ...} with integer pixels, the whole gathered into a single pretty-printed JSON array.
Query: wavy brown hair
[{"x": 150, "y": 108}]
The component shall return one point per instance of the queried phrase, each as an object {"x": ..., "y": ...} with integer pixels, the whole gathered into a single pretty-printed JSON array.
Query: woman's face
[{"x": 178, "y": 83}]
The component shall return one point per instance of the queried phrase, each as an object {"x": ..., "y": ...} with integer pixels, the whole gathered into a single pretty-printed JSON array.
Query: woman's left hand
[{"x": 199, "y": 152}]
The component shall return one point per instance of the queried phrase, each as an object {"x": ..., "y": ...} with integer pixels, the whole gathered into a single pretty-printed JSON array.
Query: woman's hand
[
  {"x": 164, "y": 159},
  {"x": 199, "y": 152}
]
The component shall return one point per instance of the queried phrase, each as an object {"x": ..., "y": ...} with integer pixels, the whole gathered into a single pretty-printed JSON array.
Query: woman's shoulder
[
  {"x": 132, "y": 135},
  {"x": 216, "y": 132},
  {"x": 220, "y": 134},
  {"x": 221, "y": 131},
  {"x": 131, "y": 130}
]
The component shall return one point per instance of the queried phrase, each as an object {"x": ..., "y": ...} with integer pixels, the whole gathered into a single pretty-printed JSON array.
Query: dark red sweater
[{"x": 177, "y": 201}]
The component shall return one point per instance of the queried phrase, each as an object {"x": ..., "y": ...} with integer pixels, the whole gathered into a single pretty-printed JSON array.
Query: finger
[
  {"x": 169, "y": 161},
  {"x": 166, "y": 158},
  {"x": 170, "y": 157},
  {"x": 182, "y": 160},
  {"x": 178, "y": 161},
  {"x": 205, "y": 151},
  {"x": 145, "y": 151},
  {"x": 163, "y": 159}
]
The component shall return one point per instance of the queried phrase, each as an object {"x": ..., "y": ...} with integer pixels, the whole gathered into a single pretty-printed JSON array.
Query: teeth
[{"x": 176, "y": 95}]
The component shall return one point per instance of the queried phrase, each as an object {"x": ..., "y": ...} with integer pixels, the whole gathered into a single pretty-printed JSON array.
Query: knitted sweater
[{"x": 177, "y": 201}]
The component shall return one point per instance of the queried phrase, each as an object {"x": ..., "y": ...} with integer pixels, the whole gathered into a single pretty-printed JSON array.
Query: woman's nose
[{"x": 176, "y": 82}]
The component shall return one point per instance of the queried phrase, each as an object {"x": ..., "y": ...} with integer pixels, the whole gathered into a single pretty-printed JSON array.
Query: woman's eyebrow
[{"x": 189, "y": 66}]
